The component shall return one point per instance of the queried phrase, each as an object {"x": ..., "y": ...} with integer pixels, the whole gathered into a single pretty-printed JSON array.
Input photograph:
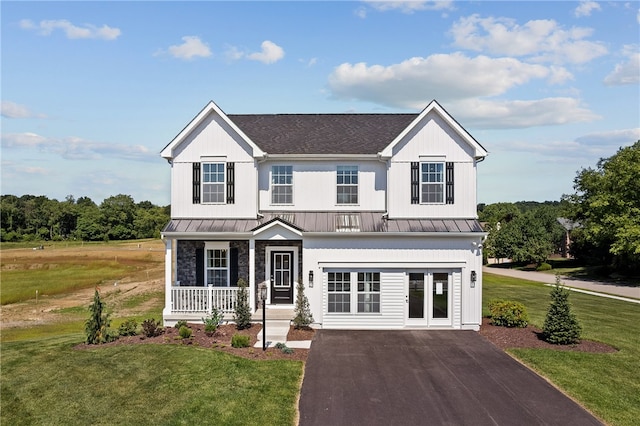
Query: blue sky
[{"x": 92, "y": 91}]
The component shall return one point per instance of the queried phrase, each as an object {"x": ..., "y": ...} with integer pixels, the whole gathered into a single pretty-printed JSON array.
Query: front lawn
[
  {"x": 49, "y": 382},
  {"x": 606, "y": 384}
]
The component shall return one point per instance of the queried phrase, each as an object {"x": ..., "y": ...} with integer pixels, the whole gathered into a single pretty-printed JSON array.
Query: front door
[{"x": 282, "y": 277}]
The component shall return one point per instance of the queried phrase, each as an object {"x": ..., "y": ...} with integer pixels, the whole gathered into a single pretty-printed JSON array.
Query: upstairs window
[
  {"x": 282, "y": 185},
  {"x": 347, "y": 185},
  {"x": 432, "y": 183},
  {"x": 213, "y": 183}
]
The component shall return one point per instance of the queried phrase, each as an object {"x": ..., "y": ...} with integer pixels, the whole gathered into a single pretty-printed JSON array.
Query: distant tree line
[
  {"x": 604, "y": 213},
  {"x": 37, "y": 218}
]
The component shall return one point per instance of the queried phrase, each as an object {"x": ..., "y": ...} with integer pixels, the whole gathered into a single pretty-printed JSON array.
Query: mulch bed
[
  {"x": 220, "y": 341},
  {"x": 531, "y": 337},
  {"x": 502, "y": 337}
]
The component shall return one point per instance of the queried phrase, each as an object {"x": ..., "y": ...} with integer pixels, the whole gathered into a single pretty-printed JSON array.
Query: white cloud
[
  {"x": 585, "y": 8},
  {"x": 191, "y": 48},
  {"x": 446, "y": 77},
  {"x": 10, "y": 109},
  {"x": 627, "y": 72},
  {"x": 541, "y": 40},
  {"x": 410, "y": 6},
  {"x": 87, "y": 31},
  {"x": 74, "y": 148},
  {"x": 615, "y": 138},
  {"x": 269, "y": 54}
]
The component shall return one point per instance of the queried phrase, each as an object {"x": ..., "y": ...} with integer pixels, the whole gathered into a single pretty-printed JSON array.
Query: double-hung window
[
  {"x": 213, "y": 183},
  {"x": 217, "y": 266},
  {"x": 368, "y": 291},
  {"x": 282, "y": 185},
  {"x": 339, "y": 292},
  {"x": 347, "y": 185},
  {"x": 432, "y": 183}
]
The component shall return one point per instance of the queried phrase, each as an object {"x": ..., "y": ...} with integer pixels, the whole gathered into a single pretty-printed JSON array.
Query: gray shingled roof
[
  {"x": 325, "y": 222},
  {"x": 322, "y": 133}
]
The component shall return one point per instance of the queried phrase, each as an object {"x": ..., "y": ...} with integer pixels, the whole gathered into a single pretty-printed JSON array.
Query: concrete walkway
[
  {"x": 597, "y": 288},
  {"x": 277, "y": 328}
]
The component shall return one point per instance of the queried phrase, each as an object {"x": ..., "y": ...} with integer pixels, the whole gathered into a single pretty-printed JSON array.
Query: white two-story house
[{"x": 375, "y": 214}]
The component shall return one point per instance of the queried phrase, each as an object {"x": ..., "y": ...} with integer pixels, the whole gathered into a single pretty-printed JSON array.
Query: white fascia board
[
  {"x": 167, "y": 151},
  {"x": 400, "y": 264},
  {"x": 311, "y": 157},
  {"x": 279, "y": 224},
  {"x": 397, "y": 234},
  {"x": 480, "y": 152}
]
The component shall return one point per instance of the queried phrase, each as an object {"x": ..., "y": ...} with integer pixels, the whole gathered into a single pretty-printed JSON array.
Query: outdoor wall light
[
  {"x": 474, "y": 278},
  {"x": 310, "y": 279}
]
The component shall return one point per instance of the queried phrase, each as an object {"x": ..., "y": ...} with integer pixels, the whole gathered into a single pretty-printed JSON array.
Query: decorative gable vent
[{"x": 349, "y": 222}]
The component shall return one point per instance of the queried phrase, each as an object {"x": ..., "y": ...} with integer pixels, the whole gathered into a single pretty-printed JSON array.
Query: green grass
[
  {"x": 48, "y": 382},
  {"x": 606, "y": 384}
]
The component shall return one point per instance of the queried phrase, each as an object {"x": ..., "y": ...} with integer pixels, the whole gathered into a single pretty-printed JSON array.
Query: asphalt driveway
[{"x": 425, "y": 378}]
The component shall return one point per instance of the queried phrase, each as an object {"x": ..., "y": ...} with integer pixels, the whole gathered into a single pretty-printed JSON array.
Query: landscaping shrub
[
  {"x": 213, "y": 321},
  {"x": 561, "y": 326},
  {"x": 508, "y": 313},
  {"x": 151, "y": 328},
  {"x": 544, "y": 266},
  {"x": 242, "y": 314},
  {"x": 180, "y": 323},
  {"x": 97, "y": 326},
  {"x": 185, "y": 332},
  {"x": 302, "y": 310},
  {"x": 128, "y": 328},
  {"x": 240, "y": 341}
]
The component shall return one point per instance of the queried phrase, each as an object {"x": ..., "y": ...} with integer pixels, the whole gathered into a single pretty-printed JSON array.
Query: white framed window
[
  {"x": 339, "y": 292},
  {"x": 347, "y": 184},
  {"x": 213, "y": 183},
  {"x": 369, "y": 292},
  {"x": 217, "y": 264},
  {"x": 281, "y": 184},
  {"x": 432, "y": 183}
]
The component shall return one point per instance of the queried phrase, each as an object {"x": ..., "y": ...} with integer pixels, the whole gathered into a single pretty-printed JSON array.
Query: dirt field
[{"x": 148, "y": 277}]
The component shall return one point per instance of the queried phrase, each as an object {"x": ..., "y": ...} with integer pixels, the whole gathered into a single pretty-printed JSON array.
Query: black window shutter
[
  {"x": 199, "y": 267},
  {"x": 196, "y": 183},
  {"x": 233, "y": 263},
  {"x": 449, "y": 177},
  {"x": 415, "y": 182},
  {"x": 230, "y": 183}
]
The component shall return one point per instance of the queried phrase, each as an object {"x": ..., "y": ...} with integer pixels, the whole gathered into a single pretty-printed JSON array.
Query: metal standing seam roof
[
  {"x": 329, "y": 222},
  {"x": 323, "y": 134}
]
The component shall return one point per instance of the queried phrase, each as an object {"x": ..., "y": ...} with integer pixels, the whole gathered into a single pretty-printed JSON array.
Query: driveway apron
[{"x": 419, "y": 377}]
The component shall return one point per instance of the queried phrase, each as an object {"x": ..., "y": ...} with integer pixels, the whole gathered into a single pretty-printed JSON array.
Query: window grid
[
  {"x": 282, "y": 185},
  {"x": 368, "y": 291},
  {"x": 347, "y": 184},
  {"x": 339, "y": 292},
  {"x": 432, "y": 182},
  {"x": 217, "y": 267},
  {"x": 213, "y": 183}
]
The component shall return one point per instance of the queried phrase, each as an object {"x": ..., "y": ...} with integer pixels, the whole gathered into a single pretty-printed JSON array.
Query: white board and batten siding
[
  {"x": 315, "y": 186},
  {"x": 213, "y": 141}
]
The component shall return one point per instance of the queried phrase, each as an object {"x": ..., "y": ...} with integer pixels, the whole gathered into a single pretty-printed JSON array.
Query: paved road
[
  {"x": 425, "y": 377},
  {"x": 596, "y": 286}
]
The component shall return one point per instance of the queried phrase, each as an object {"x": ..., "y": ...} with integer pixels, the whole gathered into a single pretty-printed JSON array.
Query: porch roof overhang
[{"x": 336, "y": 224}]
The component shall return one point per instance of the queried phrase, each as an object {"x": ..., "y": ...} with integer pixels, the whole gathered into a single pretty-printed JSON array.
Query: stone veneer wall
[{"x": 186, "y": 261}]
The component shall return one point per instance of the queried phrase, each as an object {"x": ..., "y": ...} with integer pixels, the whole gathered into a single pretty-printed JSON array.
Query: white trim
[{"x": 393, "y": 265}]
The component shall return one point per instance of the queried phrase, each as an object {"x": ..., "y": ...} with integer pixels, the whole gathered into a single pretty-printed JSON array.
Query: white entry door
[{"x": 428, "y": 299}]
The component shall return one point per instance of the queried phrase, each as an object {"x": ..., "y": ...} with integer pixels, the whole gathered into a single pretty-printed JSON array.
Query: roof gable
[
  {"x": 435, "y": 107},
  {"x": 211, "y": 108}
]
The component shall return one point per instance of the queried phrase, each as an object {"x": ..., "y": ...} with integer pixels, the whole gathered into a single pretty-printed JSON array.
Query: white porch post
[
  {"x": 252, "y": 274},
  {"x": 168, "y": 278}
]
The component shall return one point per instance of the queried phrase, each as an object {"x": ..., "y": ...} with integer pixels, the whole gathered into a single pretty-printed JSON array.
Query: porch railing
[{"x": 202, "y": 299}]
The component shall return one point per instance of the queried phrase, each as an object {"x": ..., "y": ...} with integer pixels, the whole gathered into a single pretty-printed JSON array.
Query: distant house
[{"x": 374, "y": 213}]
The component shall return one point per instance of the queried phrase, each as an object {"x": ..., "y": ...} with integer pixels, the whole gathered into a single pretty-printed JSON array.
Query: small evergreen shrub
[
  {"x": 280, "y": 345},
  {"x": 242, "y": 314},
  {"x": 303, "y": 316},
  {"x": 185, "y": 332},
  {"x": 240, "y": 341},
  {"x": 128, "y": 328},
  {"x": 508, "y": 313},
  {"x": 287, "y": 350},
  {"x": 213, "y": 321},
  {"x": 181, "y": 323},
  {"x": 151, "y": 328},
  {"x": 544, "y": 266},
  {"x": 561, "y": 326},
  {"x": 97, "y": 326}
]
